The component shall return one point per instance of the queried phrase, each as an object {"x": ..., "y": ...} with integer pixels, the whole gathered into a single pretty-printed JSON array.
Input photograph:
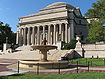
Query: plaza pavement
[
  {"x": 9, "y": 67},
  {"x": 4, "y": 70}
]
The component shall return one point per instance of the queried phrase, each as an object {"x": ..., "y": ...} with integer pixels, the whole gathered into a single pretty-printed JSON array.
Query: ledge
[{"x": 44, "y": 20}]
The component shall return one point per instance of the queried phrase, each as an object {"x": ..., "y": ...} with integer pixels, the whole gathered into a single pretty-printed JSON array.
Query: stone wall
[{"x": 94, "y": 50}]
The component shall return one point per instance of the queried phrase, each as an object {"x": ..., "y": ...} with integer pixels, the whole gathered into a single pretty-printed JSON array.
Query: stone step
[{"x": 24, "y": 53}]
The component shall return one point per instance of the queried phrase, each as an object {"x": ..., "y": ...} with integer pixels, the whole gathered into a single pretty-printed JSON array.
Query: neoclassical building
[{"x": 57, "y": 22}]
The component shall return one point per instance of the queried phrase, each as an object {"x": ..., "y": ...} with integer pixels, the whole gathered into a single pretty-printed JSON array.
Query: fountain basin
[
  {"x": 50, "y": 64},
  {"x": 43, "y": 50},
  {"x": 44, "y": 47}
]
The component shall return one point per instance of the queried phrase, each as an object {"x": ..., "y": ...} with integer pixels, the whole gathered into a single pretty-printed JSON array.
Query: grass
[
  {"x": 92, "y": 62},
  {"x": 86, "y": 75}
]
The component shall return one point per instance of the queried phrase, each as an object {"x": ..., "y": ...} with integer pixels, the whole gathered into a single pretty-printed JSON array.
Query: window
[{"x": 79, "y": 21}]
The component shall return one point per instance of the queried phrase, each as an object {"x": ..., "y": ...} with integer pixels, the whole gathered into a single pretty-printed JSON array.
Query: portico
[{"x": 34, "y": 34}]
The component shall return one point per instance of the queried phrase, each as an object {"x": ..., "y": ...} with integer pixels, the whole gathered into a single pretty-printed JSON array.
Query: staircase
[
  {"x": 24, "y": 48},
  {"x": 26, "y": 52}
]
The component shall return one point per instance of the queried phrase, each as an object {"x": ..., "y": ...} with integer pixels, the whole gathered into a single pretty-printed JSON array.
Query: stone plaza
[{"x": 58, "y": 22}]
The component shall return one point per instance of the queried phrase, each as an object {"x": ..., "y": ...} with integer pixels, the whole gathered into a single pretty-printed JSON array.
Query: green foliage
[
  {"x": 97, "y": 16},
  {"x": 96, "y": 32},
  {"x": 5, "y": 31},
  {"x": 98, "y": 11},
  {"x": 70, "y": 45}
]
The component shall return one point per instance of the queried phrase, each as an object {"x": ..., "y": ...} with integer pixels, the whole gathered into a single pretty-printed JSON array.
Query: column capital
[
  {"x": 60, "y": 23},
  {"x": 28, "y": 27},
  {"x": 65, "y": 23},
  {"x": 37, "y": 26},
  {"x": 48, "y": 25},
  {"x": 54, "y": 24},
  {"x": 44, "y": 25},
  {"x": 24, "y": 27},
  {"x": 20, "y": 29}
]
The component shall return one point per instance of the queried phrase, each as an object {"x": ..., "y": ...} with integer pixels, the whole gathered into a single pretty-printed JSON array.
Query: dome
[{"x": 57, "y": 4}]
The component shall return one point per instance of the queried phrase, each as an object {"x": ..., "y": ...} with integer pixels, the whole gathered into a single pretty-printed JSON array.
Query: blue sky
[{"x": 11, "y": 10}]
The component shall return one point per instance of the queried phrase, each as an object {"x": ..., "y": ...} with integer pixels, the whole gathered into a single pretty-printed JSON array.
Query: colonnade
[{"x": 33, "y": 35}]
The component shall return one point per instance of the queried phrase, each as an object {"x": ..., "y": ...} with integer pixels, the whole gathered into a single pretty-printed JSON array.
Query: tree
[
  {"x": 5, "y": 31},
  {"x": 97, "y": 16},
  {"x": 96, "y": 32},
  {"x": 70, "y": 45},
  {"x": 98, "y": 11}
]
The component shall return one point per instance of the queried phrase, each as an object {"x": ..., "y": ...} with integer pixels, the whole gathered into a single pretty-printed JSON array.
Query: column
[
  {"x": 41, "y": 38},
  {"x": 35, "y": 39},
  {"x": 57, "y": 33},
  {"x": 20, "y": 36},
  {"x": 33, "y": 36},
  {"x": 28, "y": 37},
  {"x": 49, "y": 35},
  {"x": 38, "y": 36},
  {"x": 72, "y": 29},
  {"x": 69, "y": 33},
  {"x": 66, "y": 33},
  {"x": 17, "y": 37},
  {"x": 54, "y": 35},
  {"x": 60, "y": 31},
  {"x": 63, "y": 33},
  {"x": 51, "y": 41},
  {"x": 24, "y": 37},
  {"x": 43, "y": 32}
]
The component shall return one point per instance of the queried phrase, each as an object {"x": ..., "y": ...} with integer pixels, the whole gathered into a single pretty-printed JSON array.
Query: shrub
[{"x": 70, "y": 45}]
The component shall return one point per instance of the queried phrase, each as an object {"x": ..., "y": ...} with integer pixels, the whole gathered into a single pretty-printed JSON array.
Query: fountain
[{"x": 43, "y": 63}]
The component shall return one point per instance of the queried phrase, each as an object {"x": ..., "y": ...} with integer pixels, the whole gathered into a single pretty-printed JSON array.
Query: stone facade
[
  {"x": 94, "y": 50},
  {"x": 57, "y": 22},
  {"x": 90, "y": 50}
]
